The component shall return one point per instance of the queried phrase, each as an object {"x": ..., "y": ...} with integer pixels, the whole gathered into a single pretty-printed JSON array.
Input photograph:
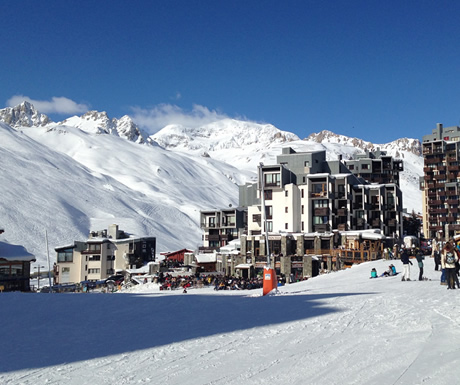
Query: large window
[
  {"x": 320, "y": 220},
  {"x": 94, "y": 271},
  {"x": 319, "y": 189},
  {"x": 65, "y": 255},
  {"x": 272, "y": 179},
  {"x": 268, "y": 195},
  {"x": 317, "y": 203}
]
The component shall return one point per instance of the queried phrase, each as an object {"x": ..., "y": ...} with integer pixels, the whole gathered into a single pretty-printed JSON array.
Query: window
[
  {"x": 319, "y": 189},
  {"x": 272, "y": 179},
  {"x": 317, "y": 203},
  {"x": 94, "y": 258},
  {"x": 65, "y": 255},
  {"x": 66, "y": 270},
  {"x": 268, "y": 195},
  {"x": 286, "y": 226},
  {"x": 302, "y": 226},
  {"x": 302, "y": 209},
  {"x": 94, "y": 247},
  {"x": 269, "y": 226},
  {"x": 320, "y": 220},
  {"x": 351, "y": 167},
  {"x": 94, "y": 271},
  {"x": 269, "y": 212},
  {"x": 286, "y": 193},
  {"x": 307, "y": 163},
  {"x": 365, "y": 167},
  {"x": 301, "y": 191},
  {"x": 286, "y": 209}
]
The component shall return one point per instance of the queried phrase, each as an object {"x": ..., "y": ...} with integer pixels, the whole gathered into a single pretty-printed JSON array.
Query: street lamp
[{"x": 38, "y": 267}]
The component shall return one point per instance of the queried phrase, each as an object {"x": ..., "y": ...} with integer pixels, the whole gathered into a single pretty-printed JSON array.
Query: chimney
[{"x": 113, "y": 231}]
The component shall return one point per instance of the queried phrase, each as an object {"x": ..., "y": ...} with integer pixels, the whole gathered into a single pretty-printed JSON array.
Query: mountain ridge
[{"x": 86, "y": 172}]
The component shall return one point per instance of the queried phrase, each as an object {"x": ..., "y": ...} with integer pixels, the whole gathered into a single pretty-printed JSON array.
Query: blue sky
[{"x": 370, "y": 69}]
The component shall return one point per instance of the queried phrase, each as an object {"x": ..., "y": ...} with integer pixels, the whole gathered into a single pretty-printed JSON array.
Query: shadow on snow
[{"x": 43, "y": 330}]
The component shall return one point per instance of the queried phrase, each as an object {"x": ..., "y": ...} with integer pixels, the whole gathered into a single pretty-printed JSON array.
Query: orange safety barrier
[{"x": 270, "y": 282}]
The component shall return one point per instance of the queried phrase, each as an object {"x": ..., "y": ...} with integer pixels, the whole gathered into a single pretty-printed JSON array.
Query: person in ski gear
[
  {"x": 406, "y": 268},
  {"x": 448, "y": 259},
  {"x": 393, "y": 269},
  {"x": 373, "y": 273},
  {"x": 420, "y": 257}
]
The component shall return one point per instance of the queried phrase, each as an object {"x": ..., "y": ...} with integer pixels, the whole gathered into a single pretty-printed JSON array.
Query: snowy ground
[{"x": 340, "y": 328}]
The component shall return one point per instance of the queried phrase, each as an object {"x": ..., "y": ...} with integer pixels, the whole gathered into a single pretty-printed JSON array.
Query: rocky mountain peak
[
  {"x": 23, "y": 115},
  {"x": 405, "y": 144}
]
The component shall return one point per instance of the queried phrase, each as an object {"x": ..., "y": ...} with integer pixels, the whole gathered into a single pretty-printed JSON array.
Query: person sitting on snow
[{"x": 373, "y": 273}]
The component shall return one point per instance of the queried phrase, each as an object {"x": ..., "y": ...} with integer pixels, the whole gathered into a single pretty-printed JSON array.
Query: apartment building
[
  {"x": 221, "y": 226},
  {"x": 304, "y": 193},
  {"x": 376, "y": 167},
  {"x": 440, "y": 184},
  {"x": 103, "y": 254}
]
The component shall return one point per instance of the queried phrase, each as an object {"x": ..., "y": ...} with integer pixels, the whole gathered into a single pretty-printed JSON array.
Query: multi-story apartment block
[
  {"x": 102, "y": 255},
  {"x": 222, "y": 226},
  {"x": 376, "y": 167},
  {"x": 441, "y": 182},
  {"x": 304, "y": 193}
]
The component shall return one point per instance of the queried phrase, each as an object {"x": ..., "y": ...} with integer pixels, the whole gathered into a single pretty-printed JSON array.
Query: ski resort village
[
  {"x": 188, "y": 254},
  {"x": 304, "y": 214}
]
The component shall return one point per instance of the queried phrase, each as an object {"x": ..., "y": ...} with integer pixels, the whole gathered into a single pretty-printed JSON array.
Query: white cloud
[
  {"x": 154, "y": 119},
  {"x": 57, "y": 105}
]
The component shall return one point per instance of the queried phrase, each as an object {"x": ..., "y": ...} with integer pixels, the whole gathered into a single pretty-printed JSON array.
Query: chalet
[
  {"x": 15, "y": 264},
  {"x": 176, "y": 256}
]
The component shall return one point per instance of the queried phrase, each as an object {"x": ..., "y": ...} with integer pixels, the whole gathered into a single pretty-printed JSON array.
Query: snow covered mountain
[{"x": 88, "y": 172}]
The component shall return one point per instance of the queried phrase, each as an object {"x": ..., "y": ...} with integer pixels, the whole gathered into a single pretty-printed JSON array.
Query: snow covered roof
[
  {"x": 244, "y": 266},
  {"x": 371, "y": 234},
  {"x": 14, "y": 253},
  {"x": 206, "y": 258}
]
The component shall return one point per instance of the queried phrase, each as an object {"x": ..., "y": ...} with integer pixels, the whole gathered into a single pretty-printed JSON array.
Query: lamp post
[{"x": 38, "y": 267}]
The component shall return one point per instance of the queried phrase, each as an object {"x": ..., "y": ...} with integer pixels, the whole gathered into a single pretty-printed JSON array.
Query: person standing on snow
[
  {"x": 420, "y": 257},
  {"x": 406, "y": 268},
  {"x": 448, "y": 260}
]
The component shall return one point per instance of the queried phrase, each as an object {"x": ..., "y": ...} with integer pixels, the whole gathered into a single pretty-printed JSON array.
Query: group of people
[
  {"x": 388, "y": 273},
  {"x": 447, "y": 257}
]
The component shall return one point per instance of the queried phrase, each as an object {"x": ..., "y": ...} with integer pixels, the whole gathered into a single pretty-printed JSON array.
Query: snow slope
[{"x": 339, "y": 328}]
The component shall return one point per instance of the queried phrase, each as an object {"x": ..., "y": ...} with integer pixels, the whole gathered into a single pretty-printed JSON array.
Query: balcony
[
  {"x": 433, "y": 160},
  {"x": 322, "y": 228},
  {"x": 453, "y": 168},
  {"x": 392, "y": 222},
  {"x": 342, "y": 227},
  {"x": 342, "y": 212},
  {"x": 376, "y": 222},
  {"x": 437, "y": 211},
  {"x": 321, "y": 211}
]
